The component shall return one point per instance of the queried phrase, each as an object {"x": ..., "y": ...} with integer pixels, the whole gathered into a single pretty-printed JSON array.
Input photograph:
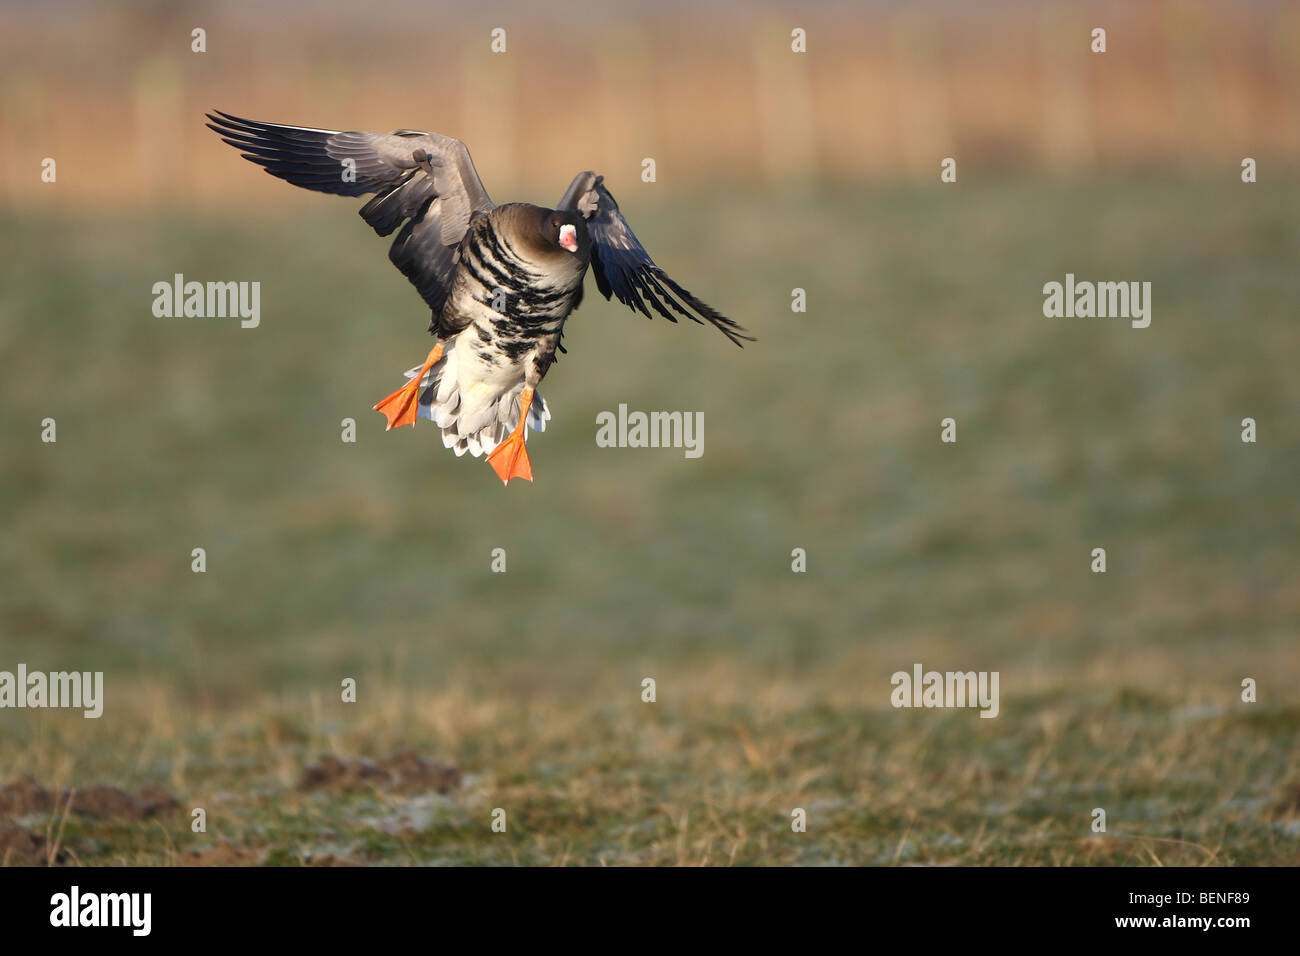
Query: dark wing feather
[
  {"x": 424, "y": 182},
  {"x": 624, "y": 269}
]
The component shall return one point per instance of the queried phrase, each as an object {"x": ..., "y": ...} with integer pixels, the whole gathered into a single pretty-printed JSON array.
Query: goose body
[{"x": 502, "y": 319}]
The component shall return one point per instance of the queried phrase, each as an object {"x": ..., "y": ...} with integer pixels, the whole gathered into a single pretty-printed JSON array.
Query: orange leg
[
  {"x": 401, "y": 406},
  {"x": 510, "y": 458}
]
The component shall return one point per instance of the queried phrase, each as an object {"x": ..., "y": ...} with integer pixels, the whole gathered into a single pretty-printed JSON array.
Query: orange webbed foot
[
  {"x": 510, "y": 459},
  {"x": 402, "y": 406}
]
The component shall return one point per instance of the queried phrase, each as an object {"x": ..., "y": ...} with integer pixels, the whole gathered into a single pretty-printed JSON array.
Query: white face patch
[{"x": 569, "y": 238}]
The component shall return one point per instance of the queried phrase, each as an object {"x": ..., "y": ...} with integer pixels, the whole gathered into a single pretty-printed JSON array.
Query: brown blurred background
[{"x": 713, "y": 94}]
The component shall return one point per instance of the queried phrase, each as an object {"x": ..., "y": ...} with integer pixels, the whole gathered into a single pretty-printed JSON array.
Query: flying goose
[{"x": 501, "y": 280}]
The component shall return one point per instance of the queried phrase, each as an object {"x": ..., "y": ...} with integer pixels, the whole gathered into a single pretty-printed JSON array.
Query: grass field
[{"x": 371, "y": 560}]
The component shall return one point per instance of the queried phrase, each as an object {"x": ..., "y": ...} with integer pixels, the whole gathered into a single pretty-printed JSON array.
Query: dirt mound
[
  {"x": 403, "y": 771},
  {"x": 222, "y": 854},
  {"x": 21, "y": 847},
  {"x": 25, "y": 796},
  {"x": 110, "y": 802},
  {"x": 1289, "y": 807}
]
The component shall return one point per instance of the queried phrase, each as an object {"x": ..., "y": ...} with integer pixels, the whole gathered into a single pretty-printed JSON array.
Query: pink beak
[{"x": 569, "y": 238}]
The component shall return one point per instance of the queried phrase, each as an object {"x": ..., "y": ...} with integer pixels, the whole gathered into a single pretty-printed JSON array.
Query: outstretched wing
[
  {"x": 623, "y": 267},
  {"x": 424, "y": 182}
]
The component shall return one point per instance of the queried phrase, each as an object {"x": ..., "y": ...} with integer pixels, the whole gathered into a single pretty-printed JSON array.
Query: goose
[{"x": 500, "y": 280}]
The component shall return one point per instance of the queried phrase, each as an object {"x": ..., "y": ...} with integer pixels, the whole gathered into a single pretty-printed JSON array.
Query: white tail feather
[{"x": 474, "y": 404}]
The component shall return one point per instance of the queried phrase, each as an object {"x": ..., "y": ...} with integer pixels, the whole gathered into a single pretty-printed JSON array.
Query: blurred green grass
[{"x": 372, "y": 559}]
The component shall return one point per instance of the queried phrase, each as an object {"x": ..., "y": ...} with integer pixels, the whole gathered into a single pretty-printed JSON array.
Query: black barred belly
[{"x": 515, "y": 310}]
